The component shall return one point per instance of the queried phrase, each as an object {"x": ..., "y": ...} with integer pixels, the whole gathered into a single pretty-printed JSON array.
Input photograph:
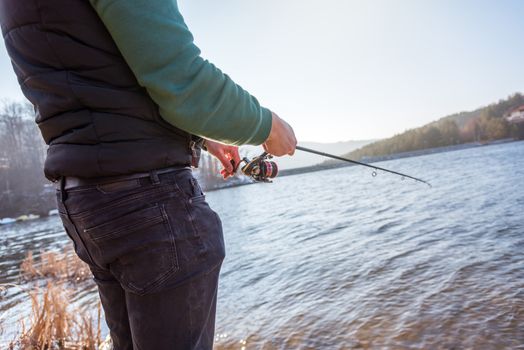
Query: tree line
[
  {"x": 483, "y": 125},
  {"x": 22, "y": 155}
]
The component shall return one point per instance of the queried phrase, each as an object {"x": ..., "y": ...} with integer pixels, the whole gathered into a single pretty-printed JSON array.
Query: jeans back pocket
[{"x": 139, "y": 248}]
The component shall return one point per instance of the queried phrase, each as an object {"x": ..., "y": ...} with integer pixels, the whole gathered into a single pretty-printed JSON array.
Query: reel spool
[{"x": 260, "y": 168}]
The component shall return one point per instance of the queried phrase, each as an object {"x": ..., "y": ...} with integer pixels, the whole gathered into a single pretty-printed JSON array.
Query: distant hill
[
  {"x": 463, "y": 118},
  {"x": 481, "y": 125},
  {"x": 303, "y": 159}
]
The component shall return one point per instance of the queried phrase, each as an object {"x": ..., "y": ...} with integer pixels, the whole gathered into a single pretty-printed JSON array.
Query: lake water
[{"x": 339, "y": 259}]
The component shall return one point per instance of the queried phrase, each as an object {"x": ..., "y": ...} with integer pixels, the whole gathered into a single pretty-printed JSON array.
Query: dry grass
[
  {"x": 64, "y": 265},
  {"x": 55, "y": 325}
]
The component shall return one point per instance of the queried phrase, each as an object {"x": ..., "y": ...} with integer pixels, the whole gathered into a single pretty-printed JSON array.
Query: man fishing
[{"x": 124, "y": 101}]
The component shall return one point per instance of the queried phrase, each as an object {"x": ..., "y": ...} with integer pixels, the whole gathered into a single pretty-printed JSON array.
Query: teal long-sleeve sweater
[{"x": 192, "y": 94}]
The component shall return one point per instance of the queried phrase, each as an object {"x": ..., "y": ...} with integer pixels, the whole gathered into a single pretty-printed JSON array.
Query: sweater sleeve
[{"x": 192, "y": 94}]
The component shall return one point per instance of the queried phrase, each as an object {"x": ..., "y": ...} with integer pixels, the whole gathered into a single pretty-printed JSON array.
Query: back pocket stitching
[
  {"x": 130, "y": 227},
  {"x": 175, "y": 267},
  {"x": 170, "y": 230}
]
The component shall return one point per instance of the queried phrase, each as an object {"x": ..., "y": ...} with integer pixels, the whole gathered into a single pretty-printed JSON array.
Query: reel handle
[{"x": 235, "y": 166}]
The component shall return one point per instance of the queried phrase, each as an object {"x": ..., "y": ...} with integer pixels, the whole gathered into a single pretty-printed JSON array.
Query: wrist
[{"x": 274, "y": 124}]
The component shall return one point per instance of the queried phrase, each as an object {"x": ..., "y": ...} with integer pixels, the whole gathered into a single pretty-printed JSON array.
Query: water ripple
[{"x": 341, "y": 260}]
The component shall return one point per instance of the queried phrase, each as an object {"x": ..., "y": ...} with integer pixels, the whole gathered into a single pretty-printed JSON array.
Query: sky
[{"x": 340, "y": 70}]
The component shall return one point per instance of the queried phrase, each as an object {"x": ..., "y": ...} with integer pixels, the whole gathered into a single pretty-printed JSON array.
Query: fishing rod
[
  {"x": 304, "y": 149},
  {"x": 262, "y": 169}
]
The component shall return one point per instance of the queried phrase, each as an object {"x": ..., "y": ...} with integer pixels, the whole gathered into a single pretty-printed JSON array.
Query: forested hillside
[{"x": 481, "y": 125}]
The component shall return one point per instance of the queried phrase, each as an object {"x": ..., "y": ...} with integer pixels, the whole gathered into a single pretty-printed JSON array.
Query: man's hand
[
  {"x": 225, "y": 154},
  {"x": 281, "y": 140}
]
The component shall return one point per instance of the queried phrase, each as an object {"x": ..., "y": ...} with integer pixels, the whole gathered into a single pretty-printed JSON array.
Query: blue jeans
[{"x": 155, "y": 249}]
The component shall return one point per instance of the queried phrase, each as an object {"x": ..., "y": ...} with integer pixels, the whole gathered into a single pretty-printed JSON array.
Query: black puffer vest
[{"x": 91, "y": 111}]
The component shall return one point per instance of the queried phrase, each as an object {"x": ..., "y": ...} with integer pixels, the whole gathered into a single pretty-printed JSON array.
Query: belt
[{"x": 69, "y": 182}]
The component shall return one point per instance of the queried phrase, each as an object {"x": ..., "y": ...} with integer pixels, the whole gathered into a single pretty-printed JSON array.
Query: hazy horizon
[{"x": 348, "y": 70}]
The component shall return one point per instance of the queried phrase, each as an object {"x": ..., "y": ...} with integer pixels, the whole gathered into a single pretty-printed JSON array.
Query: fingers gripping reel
[{"x": 260, "y": 168}]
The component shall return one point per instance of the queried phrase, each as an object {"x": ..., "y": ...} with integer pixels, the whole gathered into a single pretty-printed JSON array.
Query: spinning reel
[{"x": 260, "y": 168}]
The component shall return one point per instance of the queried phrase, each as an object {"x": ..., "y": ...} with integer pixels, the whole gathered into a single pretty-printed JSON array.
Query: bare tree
[{"x": 22, "y": 155}]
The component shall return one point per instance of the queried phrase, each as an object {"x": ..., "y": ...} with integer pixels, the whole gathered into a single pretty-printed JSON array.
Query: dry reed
[
  {"x": 55, "y": 325},
  {"x": 64, "y": 265}
]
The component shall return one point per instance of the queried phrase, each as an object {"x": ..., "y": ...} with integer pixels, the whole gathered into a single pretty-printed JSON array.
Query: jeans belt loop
[
  {"x": 63, "y": 194},
  {"x": 153, "y": 175}
]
